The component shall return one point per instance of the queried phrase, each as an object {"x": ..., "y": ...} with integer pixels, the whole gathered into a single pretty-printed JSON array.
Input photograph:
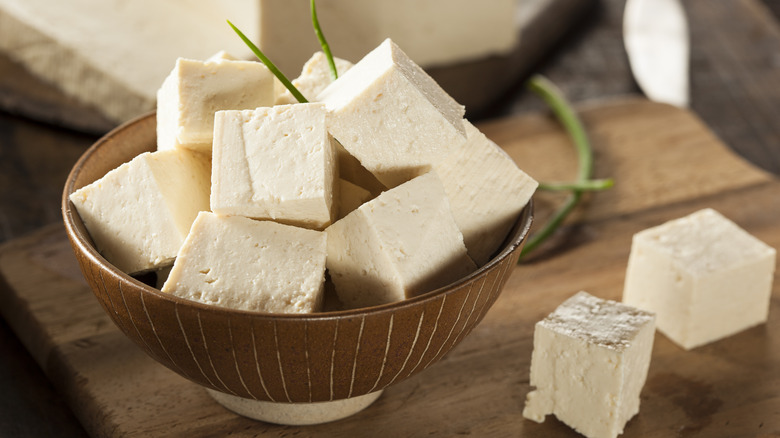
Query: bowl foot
[{"x": 294, "y": 414}]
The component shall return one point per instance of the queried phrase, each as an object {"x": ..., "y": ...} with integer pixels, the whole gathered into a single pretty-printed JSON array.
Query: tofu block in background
[
  {"x": 400, "y": 244},
  {"x": 240, "y": 263},
  {"x": 110, "y": 54},
  {"x": 487, "y": 191},
  {"x": 275, "y": 163},
  {"x": 432, "y": 32},
  {"x": 139, "y": 214},
  {"x": 704, "y": 276},
  {"x": 589, "y": 364},
  {"x": 315, "y": 77},
  {"x": 393, "y": 117},
  {"x": 195, "y": 90},
  {"x": 351, "y": 197}
]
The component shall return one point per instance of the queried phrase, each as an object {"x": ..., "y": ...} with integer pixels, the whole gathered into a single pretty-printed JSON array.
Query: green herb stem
[
  {"x": 589, "y": 185},
  {"x": 323, "y": 43},
  {"x": 568, "y": 118},
  {"x": 267, "y": 62}
]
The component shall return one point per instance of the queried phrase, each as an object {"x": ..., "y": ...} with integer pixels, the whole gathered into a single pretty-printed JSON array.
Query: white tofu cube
[
  {"x": 487, "y": 191},
  {"x": 704, "y": 276},
  {"x": 275, "y": 163},
  {"x": 139, "y": 213},
  {"x": 393, "y": 117},
  {"x": 195, "y": 90},
  {"x": 244, "y": 264},
  {"x": 351, "y": 197},
  {"x": 351, "y": 170},
  {"x": 315, "y": 77},
  {"x": 400, "y": 244},
  {"x": 589, "y": 364}
]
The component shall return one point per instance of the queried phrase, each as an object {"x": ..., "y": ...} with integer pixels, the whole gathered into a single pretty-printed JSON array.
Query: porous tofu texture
[
  {"x": 402, "y": 243},
  {"x": 244, "y": 264},
  {"x": 195, "y": 90},
  {"x": 486, "y": 190},
  {"x": 704, "y": 276},
  {"x": 394, "y": 118},
  {"x": 589, "y": 364},
  {"x": 275, "y": 163},
  {"x": 139, "y": 213}
]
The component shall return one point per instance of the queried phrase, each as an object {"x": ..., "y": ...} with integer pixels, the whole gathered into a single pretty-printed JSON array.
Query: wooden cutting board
[{"x": 666, "y": 164}]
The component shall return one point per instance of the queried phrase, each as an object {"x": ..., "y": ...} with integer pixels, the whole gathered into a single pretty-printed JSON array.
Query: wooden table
[{"x": 735, "y": 91}]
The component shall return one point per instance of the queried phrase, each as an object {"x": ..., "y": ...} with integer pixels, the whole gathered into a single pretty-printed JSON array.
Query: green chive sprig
[
  {"x": 568, "y": 118},
  {"x": 267, "y": 62},
  {"x": 323, "y": 42}
]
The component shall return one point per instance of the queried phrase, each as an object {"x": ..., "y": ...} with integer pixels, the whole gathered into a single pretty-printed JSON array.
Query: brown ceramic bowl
[{"x": 279, "y": 357}]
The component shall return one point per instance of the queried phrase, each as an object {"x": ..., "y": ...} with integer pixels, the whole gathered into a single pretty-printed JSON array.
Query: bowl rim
[{"x": 515, "y": 239}]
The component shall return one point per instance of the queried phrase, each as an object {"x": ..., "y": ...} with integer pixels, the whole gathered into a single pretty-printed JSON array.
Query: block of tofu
[
  {"x": 400, "y": 244},
  {"x": 112, "y": 54},
  {"x": 139, "y": 214},
  {"x": 275, "y": 163},
  {"x": 589, "y": 364},
  {"x": 393, "y": 117},
  {"x": 704, "y": 276},
  {"x": 315, "y": 77},
  {"x": 351, "y": 197},
  {"x": 241, "y": 263},
  {"x": 487, "y": 191},
  {"x": 195, "y": 90},
  {"x": 433, "y": 32}
]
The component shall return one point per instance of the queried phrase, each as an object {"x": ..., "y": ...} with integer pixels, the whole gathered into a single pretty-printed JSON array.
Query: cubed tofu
[
  {"x": 315, "y": 77},
  {"x": 704, "y": 276},
  {"x": 487, "y": 191},
  {"x": 351, "y": 170},
  {"x": 589, "y": 364},
  {"x": 241, "y": 263},
  {"x": 394, "y": 118},
  {"x": 351, "y": 197},
  {"x": 139, "y": 213},
  {"x": 400, "y": 244},
  {"x": 275, "y": 163},
  {"x": 195, "y": 90}
]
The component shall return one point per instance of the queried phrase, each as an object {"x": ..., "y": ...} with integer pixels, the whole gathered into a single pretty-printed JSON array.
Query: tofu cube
[
  {"x": 195, "y": 90},
  {"x": 241, "y": 263},
  {"x": 315, "y": 77},
  {"x": 390, "y": 115},
  {"x": 704, "y": 276},
  {"x": 351, "y": 197},
  {"x": 275, "y": 163},
  {"x": 351, "y": 170},
  {"x": 400, "y": 244},
  {"x": 589, "y": 364},
  {"x": 139, "y": 214},
  {"x": 487, "y": 191}
]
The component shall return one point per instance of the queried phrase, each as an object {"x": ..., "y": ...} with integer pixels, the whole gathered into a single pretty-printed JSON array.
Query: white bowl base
[{"x": 294, "y": 414}]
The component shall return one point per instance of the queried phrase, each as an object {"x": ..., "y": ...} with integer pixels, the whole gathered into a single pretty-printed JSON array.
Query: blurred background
[{"x": 71, "y": 71}]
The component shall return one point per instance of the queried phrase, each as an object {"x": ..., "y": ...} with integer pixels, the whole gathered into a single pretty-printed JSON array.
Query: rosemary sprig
[
  {"x": 267, "y": 62},
  {"x": 323, "y": 43},
  {"x": 568, "y": 118}
]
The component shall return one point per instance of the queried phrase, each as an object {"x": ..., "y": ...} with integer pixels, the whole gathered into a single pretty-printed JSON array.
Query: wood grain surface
[{"x": 727, "y": 388}]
